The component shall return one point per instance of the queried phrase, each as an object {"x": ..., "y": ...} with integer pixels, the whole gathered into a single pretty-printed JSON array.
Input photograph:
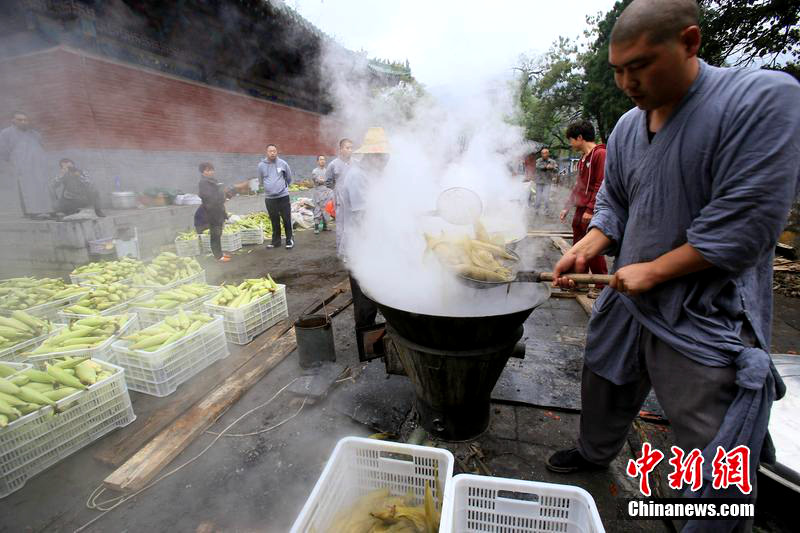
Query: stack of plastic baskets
[
  {"x": 242, "y": 324},
  {"x": 230, "y": 242},
  {"x": 187, "y": 248},
  {"x": 159, "y": 373},
  {"x": 483, "y": 503},
  {"x": 40, "y": 439},
  {"x": 359, "y": 466}
]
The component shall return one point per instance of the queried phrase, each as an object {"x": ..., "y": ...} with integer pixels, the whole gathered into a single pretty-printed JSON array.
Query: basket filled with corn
[
  {"x": 20, "y": 333},
  {"x": 231, "y": 240},
  {"x": 103, "y": 273},
  {"x": 49, "y": 414},
  {"x": 188, "y": 297},
  {"x": 105, "y": 300},
  {"x": 42, "y": 298},
  {"x": 167, "y": 271},
  {"x": 252, "y": 228},
  {"x": 89, "y": 336},
  {"x": 249, "y": 308},
  {"x": 161, "y": 357},
  {"x": 187, "y": 244}
]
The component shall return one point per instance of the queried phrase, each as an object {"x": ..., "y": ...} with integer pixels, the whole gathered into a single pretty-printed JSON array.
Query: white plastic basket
[
  {"x": 199, "y": 277},
  {"x": 230, "y": 242},
  {"x": 190, "y": 248},
  {"x": 359, "y": 466},
  {"x": 149, "y": 316},
  {"x": 40, "y": 439},
  {"x": 159, "y": 373},
  {"x": 49, "y": 310},
  {"x": 15, "y": 354},
  {"x": 102, "y": 351},
  {"x": 118, "y": 309},
  {"x": 252, "y": 236},
  {"x": 244, "y": 323},
  {"x": 481, "y": 504}
]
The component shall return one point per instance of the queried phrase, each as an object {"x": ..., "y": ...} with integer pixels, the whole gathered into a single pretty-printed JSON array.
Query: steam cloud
[{"x": 461, "y": 139}]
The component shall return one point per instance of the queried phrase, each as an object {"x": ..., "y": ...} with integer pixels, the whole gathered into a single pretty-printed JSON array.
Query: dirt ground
[{"x": 259, "y": 482}]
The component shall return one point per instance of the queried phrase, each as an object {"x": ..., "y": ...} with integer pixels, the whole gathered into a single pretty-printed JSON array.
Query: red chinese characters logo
[
  {"x": 732, "y": 468},
  {"x": 686, "y": 469},
  {"x": 644, "y": 465}
]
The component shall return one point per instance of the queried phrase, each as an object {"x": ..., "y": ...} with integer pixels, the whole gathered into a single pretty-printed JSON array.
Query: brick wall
[{"x": 147, "y": 128}]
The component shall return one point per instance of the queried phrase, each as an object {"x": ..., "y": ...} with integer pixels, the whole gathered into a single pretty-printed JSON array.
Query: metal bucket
[{"x": 314, "y": 340}]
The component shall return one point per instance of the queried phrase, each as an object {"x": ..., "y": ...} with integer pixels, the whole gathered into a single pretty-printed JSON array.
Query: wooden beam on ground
[
  {"x": 123, "y": 443},
  {"x": 582, "y": 299},
  {"x": 159, "y": 452}
]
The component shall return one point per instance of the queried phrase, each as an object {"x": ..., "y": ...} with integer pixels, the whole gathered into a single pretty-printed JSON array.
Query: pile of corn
[
  {"x": 187, "y": 236},
  {"x": 23, "y": 293},
  {"x": 108, "y": 272},
  {"x": 236, "y": 296},
  {"x": 82, "y": 334},
  {"x": 229, "y": 229},
  {"x": 20, "y": 327},
  {"x": 380, "y": 511},
  {"x": 167, "y": 268},
  {"x": 103, "y": 297},
  {"x": 30, "y": 390},
  {"x": 177, "y": 297},
  {"x": 165, "y": 333},
  {"x": 258, "y": 220}
]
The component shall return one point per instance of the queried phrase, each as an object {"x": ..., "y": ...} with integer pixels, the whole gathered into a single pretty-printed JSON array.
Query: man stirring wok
[{"x": 699, "y": 180}]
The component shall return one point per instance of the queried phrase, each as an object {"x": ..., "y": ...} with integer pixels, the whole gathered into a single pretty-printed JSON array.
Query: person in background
[
  {"x": 319, "y": 170},
  {"x": 339, "y": 166},
  {"x": 700, "y": 177},
  {"x": 21, "y": 147},
  {"x": 350, "y": 207},
  {"x": 591, "y": 169},
  {"x": 546, "y": 173},
  {"x": 212, "y": 193},
  {"x": 276, "y": 175},
  {"x": 321, "y": 196},
  {"x": 73, "y": 190}
]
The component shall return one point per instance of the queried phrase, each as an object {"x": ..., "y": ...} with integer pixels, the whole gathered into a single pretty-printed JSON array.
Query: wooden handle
[{"x": 579, "y": 278}]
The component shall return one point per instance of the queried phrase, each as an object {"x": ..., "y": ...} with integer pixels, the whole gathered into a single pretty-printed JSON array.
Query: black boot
[{"x": 568, "y": 461}]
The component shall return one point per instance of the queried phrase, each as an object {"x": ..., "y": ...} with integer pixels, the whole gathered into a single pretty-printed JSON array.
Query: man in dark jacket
[
  {"x": 212, "y": 194},
  {"x": 73, "y": 190}
]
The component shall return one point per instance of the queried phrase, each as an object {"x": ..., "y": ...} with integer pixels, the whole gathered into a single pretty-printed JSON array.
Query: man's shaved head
[{"x": 660, "y": 20}]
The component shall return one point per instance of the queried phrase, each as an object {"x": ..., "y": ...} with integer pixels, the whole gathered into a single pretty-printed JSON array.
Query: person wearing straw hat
[{"x": 350, "y": 206}]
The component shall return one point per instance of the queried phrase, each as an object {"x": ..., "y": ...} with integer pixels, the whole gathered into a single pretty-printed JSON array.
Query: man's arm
[{"x": 287, "y": 174}]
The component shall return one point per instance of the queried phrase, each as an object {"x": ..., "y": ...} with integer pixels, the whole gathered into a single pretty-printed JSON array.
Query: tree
[
  {"x": 743, "y": 32},
  {"x": 549, "y": 89}
]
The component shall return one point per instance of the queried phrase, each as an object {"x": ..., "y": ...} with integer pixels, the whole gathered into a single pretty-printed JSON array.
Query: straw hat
[{"x": 375, "y": 142}]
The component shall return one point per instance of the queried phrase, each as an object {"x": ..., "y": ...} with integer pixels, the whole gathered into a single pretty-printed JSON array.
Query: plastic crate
[
  {"x": 244, "y": 323},
  {"x": 118, "y": 309},
  {"x": 252, "y": 236},
  {"x": 199, "y": 277},
  {"x": 482, "y": 503},
  {"x": 190, "y": 248},
  {"x": 14, "y": 354},
  {"x": 40, "y": 439},
  {"x": 159, "y": 373},
  {"x": 230, "y": 242},
  {"x": 149, "y": 316},
  {"x": 102, "y": 351},
  {"x": 48, "y": 311},
  {"x": 359, "y": 466}
]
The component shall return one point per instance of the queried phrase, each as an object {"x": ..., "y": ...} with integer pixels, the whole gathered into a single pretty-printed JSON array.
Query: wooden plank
[
  {"x": 159, "y": 452},
  {"x": 121, "y": 444},
  {"x": 561, "y": 244}
]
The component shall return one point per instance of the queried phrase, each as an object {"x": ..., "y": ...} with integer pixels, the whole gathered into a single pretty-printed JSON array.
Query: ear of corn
[{"x": 236, "y": 296}]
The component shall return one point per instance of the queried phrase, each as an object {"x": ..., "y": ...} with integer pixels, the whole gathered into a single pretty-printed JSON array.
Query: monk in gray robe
[
  {"x": 21, "y": 148},
  {"x": 699, "y": 180}
]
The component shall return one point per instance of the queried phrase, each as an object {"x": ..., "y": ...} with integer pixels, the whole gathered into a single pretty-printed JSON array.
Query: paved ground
[{"x": 259, "y": 482}]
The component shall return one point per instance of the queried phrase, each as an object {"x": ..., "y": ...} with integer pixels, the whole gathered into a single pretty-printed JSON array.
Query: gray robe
[
  {"x": 721, "y": 175},
  {"x": 23, "y": 151}
]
